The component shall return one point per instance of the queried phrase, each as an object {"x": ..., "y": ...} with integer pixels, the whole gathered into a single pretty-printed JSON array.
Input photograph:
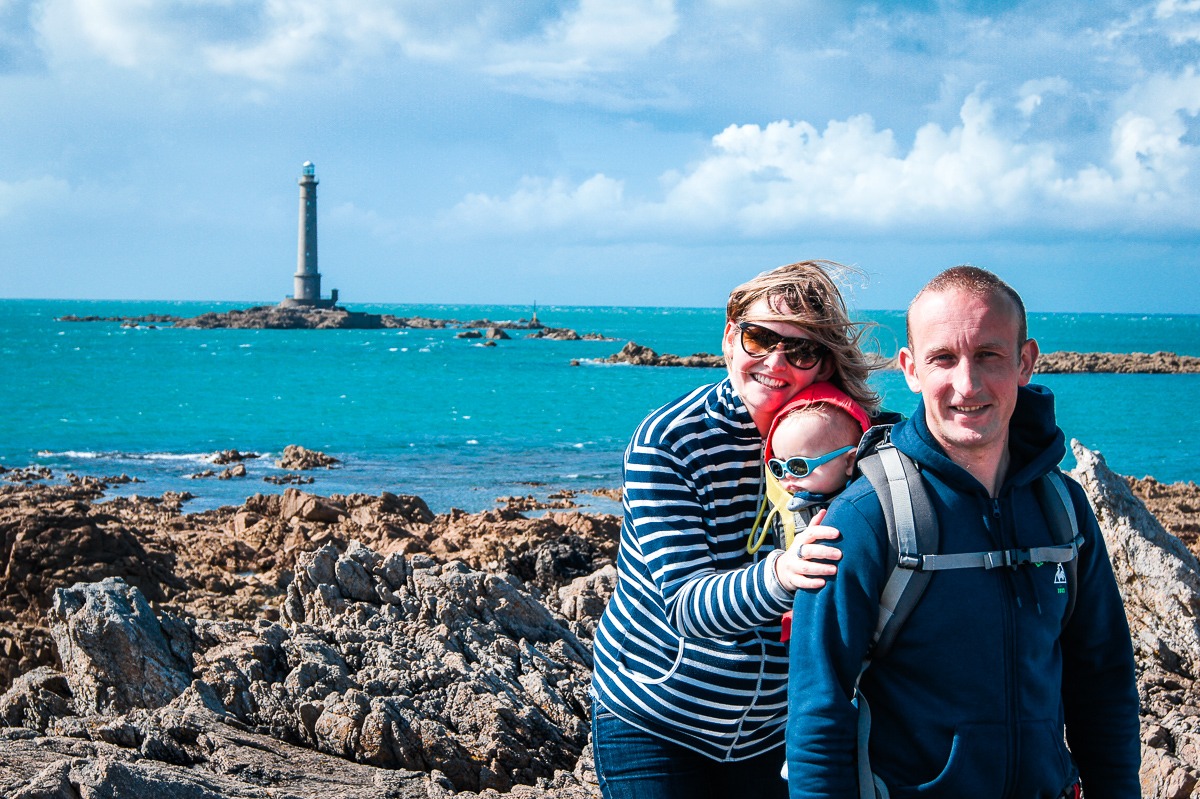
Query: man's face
[{"x": 967, "y": 364}]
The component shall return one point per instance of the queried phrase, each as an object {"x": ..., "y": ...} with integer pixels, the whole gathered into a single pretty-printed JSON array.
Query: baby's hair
[{"x": 845, "y": 425}]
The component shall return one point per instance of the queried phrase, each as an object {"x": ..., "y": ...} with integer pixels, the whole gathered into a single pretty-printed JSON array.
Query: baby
[{"x": 810, "y": 452}]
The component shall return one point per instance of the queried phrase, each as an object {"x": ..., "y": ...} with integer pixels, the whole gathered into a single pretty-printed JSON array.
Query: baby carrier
[{"x": 914, "y": 543}]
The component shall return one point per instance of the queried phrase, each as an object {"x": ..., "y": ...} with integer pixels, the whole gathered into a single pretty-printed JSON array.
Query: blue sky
[{"x": 630, "y": 152}]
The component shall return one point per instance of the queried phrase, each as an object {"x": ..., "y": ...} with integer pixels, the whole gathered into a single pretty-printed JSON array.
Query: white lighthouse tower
[{"x": 307, "y": 291}]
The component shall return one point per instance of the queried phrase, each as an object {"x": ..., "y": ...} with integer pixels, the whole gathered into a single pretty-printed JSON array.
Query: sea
[{"x": 425, "y": 413}]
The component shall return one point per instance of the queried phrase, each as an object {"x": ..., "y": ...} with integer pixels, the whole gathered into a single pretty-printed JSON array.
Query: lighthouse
[{"x": 307, "y": 291}]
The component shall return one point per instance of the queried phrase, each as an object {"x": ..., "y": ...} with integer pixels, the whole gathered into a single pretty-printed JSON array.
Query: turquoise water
[{"x": 424, "y": 413}]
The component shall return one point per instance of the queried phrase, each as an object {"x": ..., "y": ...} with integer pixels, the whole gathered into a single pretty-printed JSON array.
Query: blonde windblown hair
[{"x": 805, "y": 294}]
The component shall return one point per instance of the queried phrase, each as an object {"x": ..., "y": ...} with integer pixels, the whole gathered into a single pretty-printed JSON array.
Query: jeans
[{"x": 633, "y": 764}]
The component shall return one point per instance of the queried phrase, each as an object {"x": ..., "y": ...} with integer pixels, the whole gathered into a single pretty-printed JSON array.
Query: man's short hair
[{"x": 976, "y": 281}]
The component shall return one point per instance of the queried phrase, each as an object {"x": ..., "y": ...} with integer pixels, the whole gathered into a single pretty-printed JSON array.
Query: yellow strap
[
  {"x": 777, "y": 497},
  {"x": 753, "y": 544}
]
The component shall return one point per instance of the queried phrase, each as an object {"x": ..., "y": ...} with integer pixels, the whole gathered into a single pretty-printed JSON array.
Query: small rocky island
[
  {"x": 297, "y": 317},
  {"x": 1117, "y": 363}
]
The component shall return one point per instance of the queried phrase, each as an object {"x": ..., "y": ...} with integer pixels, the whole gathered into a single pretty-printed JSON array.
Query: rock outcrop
[
  {"x": 399, "y": 663},
  {"x": 1124, "y": 363},
  {"x": 228, "y": 456},
  {"x": 115, "y": 653},
  {"x": 236, "y": 562},
  {"x": 1159, "y": 578},
  {"x": 565, "y": 334},
  {"x": 1175, "y": 505},
  {"x": 275, "y": 317},
  {"x": 637, "y": 355},
  {"x": 298, "y": 458},
  {"x": 300, "y": 318},
  {"x": 150, "y": 319},
  {"x": 309, "y": 646},
  {"x": 1048, "y": 362}
]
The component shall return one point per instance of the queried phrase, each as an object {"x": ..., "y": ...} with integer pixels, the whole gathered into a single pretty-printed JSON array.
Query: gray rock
[
  {"x": 435, "y": 667},
  {"x": 114, "y": 652},
  {"x": 36, "y": 699},
  {"x": 1158, "y": 575},
  {"x": 213, "y": 761},
  {"x": 1159, "y": 580}
]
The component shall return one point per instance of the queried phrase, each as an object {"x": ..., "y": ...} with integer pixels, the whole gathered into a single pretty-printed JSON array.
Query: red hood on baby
[{"x": 815, "y": 394}]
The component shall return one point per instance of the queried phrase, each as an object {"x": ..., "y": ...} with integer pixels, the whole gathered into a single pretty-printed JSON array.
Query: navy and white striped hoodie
[{"x": 688, "y": 648}]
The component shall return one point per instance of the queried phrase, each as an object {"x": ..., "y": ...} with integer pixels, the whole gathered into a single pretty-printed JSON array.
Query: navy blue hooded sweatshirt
[{"x": 975, "y": 694}]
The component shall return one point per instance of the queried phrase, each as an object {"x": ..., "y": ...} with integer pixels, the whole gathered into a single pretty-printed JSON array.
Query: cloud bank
[{"x": 976, "y": 177}]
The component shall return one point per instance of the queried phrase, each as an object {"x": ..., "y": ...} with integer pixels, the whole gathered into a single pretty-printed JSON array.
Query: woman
[{"x": 690, "y": 680}]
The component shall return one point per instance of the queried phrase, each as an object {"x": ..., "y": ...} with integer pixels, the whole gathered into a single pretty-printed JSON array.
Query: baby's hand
[{"x": 807, "y": 563}]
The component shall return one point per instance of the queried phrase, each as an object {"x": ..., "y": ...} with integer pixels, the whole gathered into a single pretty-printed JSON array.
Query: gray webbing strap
[
  {"x": 1059, "y": 553},
  {"x": 1059, "y": 510},
  {"x": 914, "y": 526},
  {"x": 906, "y": 538},
  {"x": 866, "y": 780},
  {"x": 1064, "y": 496}
]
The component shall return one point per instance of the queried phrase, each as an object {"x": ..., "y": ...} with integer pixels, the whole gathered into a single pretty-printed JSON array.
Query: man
[{"x": 974, "y": 695}]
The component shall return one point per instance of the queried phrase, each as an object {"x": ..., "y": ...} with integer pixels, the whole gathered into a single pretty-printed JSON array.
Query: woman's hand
[{"x": 807, "y": 563}]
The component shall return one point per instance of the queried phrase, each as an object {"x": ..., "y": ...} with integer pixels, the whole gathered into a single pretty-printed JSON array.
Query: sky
[{"x": 600, "y": 152}]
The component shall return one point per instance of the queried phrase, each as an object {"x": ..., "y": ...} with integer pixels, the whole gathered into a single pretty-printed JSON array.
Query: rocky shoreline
[
  {"x": 276, "y": 317},
  {"x": 362, "y": 646},
  {"x": 1117, "y": 363},
  {"x": 634, "y": 354}
]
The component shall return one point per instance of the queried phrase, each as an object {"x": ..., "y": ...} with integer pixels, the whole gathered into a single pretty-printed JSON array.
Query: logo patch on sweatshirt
[{"x": 1060, "y": 579}]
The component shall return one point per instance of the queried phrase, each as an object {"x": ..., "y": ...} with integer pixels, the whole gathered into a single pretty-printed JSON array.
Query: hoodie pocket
[
  {"x": 701, "y": 661},
  {"x": 653, "y": 667},
  {"x": 974, "y": 766}
]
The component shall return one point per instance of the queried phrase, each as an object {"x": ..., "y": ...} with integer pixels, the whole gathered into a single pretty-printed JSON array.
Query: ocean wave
[
  {"x": 127, "y": 456},
  {"x": 45, "y": 453}
]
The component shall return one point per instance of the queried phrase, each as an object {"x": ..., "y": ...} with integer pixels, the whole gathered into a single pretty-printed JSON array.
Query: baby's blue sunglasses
[{"x": 802, "y": 467}]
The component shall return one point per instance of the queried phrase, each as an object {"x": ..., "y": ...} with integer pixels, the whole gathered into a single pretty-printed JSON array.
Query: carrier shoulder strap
[
  {"x": 1055, "y": 500},
  {"x": 912, "y": 530}
]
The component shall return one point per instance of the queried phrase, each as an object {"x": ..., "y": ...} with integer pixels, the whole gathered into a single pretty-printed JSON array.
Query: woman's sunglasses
[
  {"x": 759, "y": 341},
  {"x": 802, "y": 467}
]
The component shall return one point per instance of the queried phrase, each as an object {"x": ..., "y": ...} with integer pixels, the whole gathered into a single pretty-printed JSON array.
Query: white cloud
[
  {"x": 1032, "y": 92},
  {"x": 271, "y": 40},
  {"x": 263, "y": 40},
  {"x": 546, "y": 204},
  {"x": 1181, "y": 18},
  {"x": 597, "y": 35},
  {"x": 976, "y": 177}
]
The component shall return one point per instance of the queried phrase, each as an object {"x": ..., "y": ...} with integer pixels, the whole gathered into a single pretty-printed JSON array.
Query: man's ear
[
  {"x": 1029, "y": 356},
  {"x": 908, "y": 365}
]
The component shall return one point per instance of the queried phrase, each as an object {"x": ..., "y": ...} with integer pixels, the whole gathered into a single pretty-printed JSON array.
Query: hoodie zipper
[{"x": 1012, "y": 605}]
